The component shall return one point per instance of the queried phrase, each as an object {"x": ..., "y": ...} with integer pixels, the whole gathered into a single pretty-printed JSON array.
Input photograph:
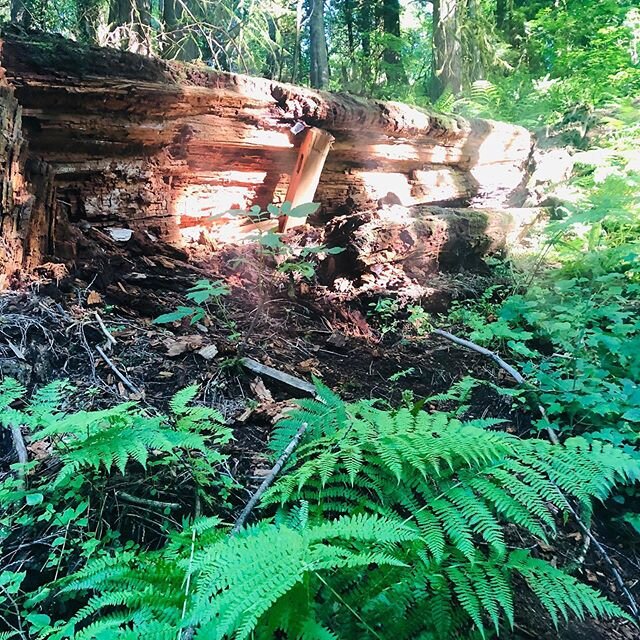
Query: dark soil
[{"x": 50, "y": 331}]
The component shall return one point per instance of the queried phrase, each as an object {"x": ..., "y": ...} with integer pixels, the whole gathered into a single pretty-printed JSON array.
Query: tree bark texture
[
  {"x": 394, "y": 68},
  {"x": 447, "y": 48},
  {"x": 129, "y": 141},
  {"x": 423, "y": 239},
  {"x": 319, "y": 54}
]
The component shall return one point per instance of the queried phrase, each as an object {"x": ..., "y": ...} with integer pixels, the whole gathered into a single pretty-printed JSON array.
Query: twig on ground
[
  {"x": 19, "y": 444},
  {"x": 110, "y": 339},
  {"x": 515, "y": 374},
  {"x": 267, "y": 482},
  {"x": 21, "y": 450},
  {"x": 125, "y": 381},
  {"x": 280, "y": 376},
  {"x": 147, "y": 502}
]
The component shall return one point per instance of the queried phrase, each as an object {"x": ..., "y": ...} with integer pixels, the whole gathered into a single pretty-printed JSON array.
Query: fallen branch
[
  {"x": 505, "y": 366},
  {"x": 267, "y": 482},
  {"x": 147, "y": 502},
  {"x": 125, "y": 381},
  {"x": 517, "y": 376},
  {"x": 21, "y": 451},
  {"x": 110, "y": 339},
  {"x": 280, "y": 376}
]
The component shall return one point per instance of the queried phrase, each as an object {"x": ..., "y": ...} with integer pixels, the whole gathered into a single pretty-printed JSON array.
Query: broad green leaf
[{"x": 304, "y": 210}]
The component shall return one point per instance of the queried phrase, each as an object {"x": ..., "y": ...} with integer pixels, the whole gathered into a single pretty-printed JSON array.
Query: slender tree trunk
[
  {"x": 365, "y": 27},
  {"x": 89, "y": 13},
  {"x": 271, "y": 63},
  {"x": 21, "y": 12},
  {"x": 319, "y": 73},
  {"x": 447, "y": 49},
  {"x": 394, "y": 68},
  {"x": 120, "y": 12},
  {"x": 180, "y": 42},
  {"x": 504, "y": 18},
  {"x": 348, "y": 19}
]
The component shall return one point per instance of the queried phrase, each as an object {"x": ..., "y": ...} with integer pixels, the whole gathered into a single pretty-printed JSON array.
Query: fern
[
  {"x": 114, "y": 437},
  {"x": 389, "y": 524},
  {"x": 460, "y": 485}
]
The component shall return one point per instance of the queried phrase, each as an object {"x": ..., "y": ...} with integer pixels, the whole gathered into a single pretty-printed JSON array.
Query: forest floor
[{"x": 54, "y": 329}]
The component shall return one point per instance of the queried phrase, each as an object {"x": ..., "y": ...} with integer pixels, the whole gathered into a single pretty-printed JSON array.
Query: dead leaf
[
  {"x": 178, "y": 346},
  {"x": 209, "y": 352},
  {"x": 94, "y": 298},
  {"x": 165, "y": 374},
  {"x": 310, "y": 365},
  {"x": 39, "y": 450},
  {"x": 262, "y": 393}
]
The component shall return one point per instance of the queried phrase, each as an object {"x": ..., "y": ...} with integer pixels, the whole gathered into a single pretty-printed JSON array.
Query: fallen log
[
  {"x": 134, "y": 142},
  {"x": 423, "y": 239}
]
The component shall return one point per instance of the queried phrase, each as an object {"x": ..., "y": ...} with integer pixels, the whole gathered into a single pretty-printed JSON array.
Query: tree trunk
[
  {"x": 447, "y": 49},
  {"x": 180, "y": 42},
  {"x": 130, "y": 22},
  {"x": 20, "y": 12},
  {"x": 319, "y": 55},
  {"x": 394, "y": 69},
  {"x": 365, "y": 27},
  {"x": 504, "y": 18}
]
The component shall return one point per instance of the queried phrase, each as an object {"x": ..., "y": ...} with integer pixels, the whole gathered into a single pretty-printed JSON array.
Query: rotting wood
[
  {"x": 280, "y": 376},
  {"x": 141, "y": 143},
  {"x": 423, "y": 238}
]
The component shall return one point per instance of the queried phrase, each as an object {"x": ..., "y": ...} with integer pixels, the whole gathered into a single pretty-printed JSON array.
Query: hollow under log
[{"x": 130, "y": 141}]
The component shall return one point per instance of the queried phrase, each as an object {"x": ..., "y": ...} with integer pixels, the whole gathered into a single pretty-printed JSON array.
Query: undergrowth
[{"x": 386, "y": 523}]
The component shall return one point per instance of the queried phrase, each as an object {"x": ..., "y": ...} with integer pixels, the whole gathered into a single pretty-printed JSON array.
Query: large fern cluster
[{"x": 388, "y": 524}]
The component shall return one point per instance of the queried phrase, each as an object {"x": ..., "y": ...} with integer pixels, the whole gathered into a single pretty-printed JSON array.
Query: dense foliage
[{"x": 382, "y": 511}]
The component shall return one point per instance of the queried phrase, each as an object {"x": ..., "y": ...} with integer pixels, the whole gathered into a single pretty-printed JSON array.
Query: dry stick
[
  {"x": 125, "y": 381},
  {"x": 266, "y": 483},
  {"x": 110, "y": 339},
  {"x": 21, "y": 451},
  {"x": 147, "y": 502},
  {"x": 280, "y": 376},
  {"x": 514, "y": 373},
  {"x": 633, "y": 605}
]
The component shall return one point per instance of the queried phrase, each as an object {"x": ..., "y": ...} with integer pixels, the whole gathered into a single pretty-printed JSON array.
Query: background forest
[{"x": 421, "y": 518}]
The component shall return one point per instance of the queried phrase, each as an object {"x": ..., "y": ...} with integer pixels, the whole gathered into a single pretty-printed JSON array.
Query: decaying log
[
  {"x": 143, "y": 143},
  {"x": 423, "y": 238},
  {"x": 26, "y": 192}
]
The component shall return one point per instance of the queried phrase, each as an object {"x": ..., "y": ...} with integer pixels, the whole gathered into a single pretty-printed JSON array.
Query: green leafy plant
[
  {"x": 388, "y": 524},
  {"x": 94, "y": 459},
  {"x": 203, "y": 293}
]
